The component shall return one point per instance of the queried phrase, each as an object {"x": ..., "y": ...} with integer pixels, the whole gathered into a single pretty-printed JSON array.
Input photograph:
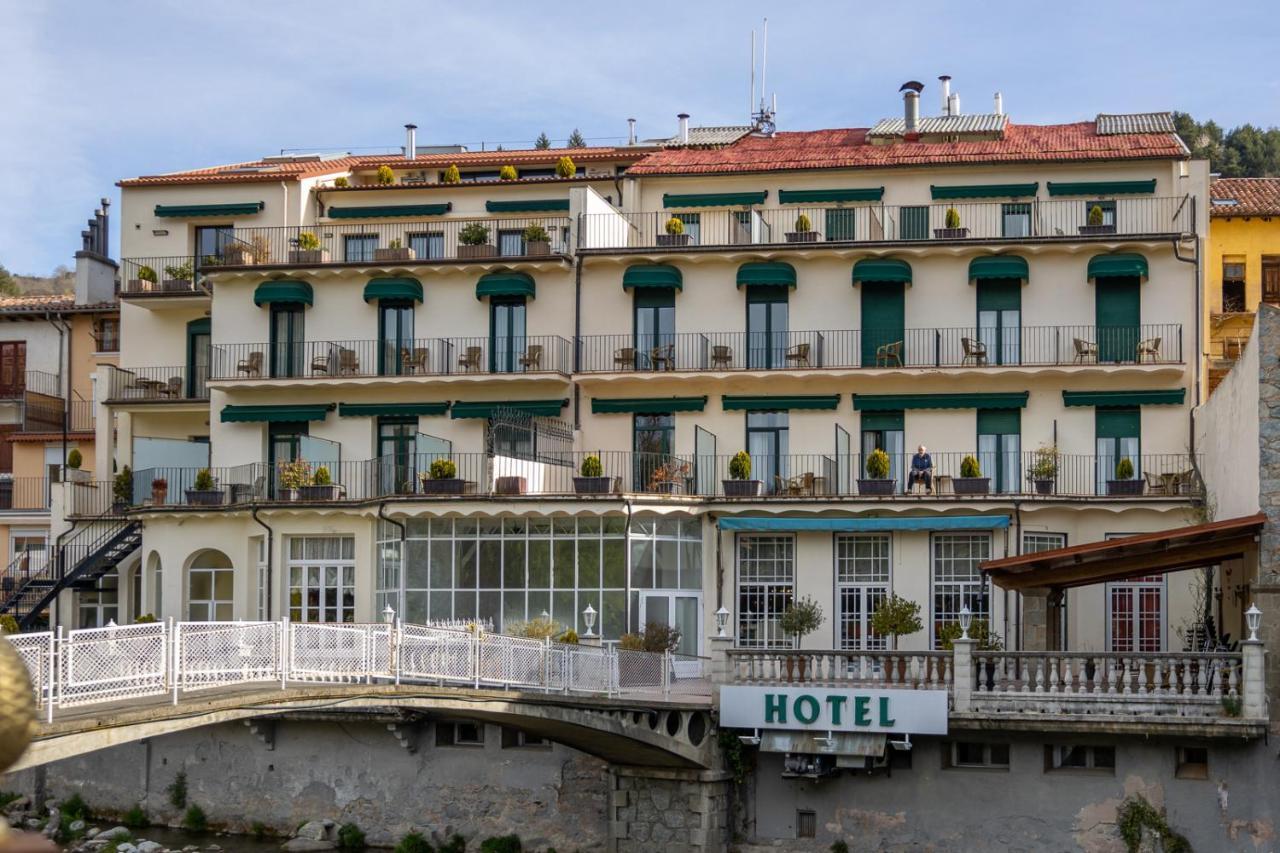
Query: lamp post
[
  {"x": 388, "y": 615},
  {"x": 1253, "y": 618},
  {"x": 589, "y": 619},
  {"x": 722, "y": 619},
  {"x": 966, "y": 619}
]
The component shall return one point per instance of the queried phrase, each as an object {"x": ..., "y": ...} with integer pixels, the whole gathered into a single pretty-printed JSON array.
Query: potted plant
[
  {"x": 473, "y": 239},
  {"x": 507, "y": 173},
  {"x": 321, "y": 487},
  {"x": 804, "y": 232},
  {"x": 537, "y": 241},
  {"x": 740, "y": 484},
  {"x": 592, "y": 480},
  {"x": 178, "y": 276},
  {"x": 565, "y": 167},
  {"x": 1124, "y": 483},
  {"x": 971, "y": 481},
  {"x": 308, "y": 250},
  {"x": 670, "y": 478},
  {"x": 1097, "y": 220},
  {"x": 247, "y": 252},
  {"x": 395, "y": 251},
  {"x": 122, "y": 490},
  {"x": 675, "y": 235},
  {"x": 74, "y": 461},
  {"x": 442, "y": 479},
  {"x": 1044, "y": 469},
  {"x": 146, "y": 280},
  {"x": 803, "y": 617},
  {"x": 204, "y": 491},
  {"x": 451, "y": 175},
  {"x": 292, "y": 476},
  {"x": 159, "y": 491},
  {"x": 877, "y": 481},
  {"x": 952, "y": 231},
  {"x": 510, "y": 485},
  {"x": 341, "y": 182},
  {"x": 386, "y": 176},
  {"x": 896, "y": 617}
]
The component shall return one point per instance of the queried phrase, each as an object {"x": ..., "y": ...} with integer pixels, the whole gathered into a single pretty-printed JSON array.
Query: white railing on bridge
[{"x": 121, "y": 663}]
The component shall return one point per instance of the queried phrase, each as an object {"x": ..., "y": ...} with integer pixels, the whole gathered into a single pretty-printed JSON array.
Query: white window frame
[
  {"x": 216, "y": 609},
  {"x": 970, "y": 588},
  {"x": 301, "y": 570},
  {"x": 865, "y": 581},
  {"x": 1134, "y": 589},
  {"x": 773, "y": 588}
]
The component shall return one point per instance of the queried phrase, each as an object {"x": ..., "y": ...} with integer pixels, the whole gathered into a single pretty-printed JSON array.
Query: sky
[{"x": 99, "y": 90}]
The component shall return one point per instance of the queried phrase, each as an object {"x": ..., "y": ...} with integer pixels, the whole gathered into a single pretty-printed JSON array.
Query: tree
[
  {"x": 542, "y": 141},
  {"x": 1245, "y": 151},
  {"x": 8, "y": 287},
  {"x": 576, "y": 140}
]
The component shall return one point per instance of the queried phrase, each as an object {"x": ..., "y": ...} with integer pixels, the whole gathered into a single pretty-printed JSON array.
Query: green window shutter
[
  {"x": 654, "y": 298},
  {"x": 882, "y": 421},
  {"x": 913, "y": 223},
  {"x": 841, "y": 222},
  {"x": 1117, "y": 422},
  {"x": 999, "y": 421},
  {"x": 1118, "y": 317},
  {"x": 883, "y": 318},
  {"x": 999, "y": 294}
]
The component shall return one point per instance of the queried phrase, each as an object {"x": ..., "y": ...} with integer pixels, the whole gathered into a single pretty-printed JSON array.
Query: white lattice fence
[
  {"x": 436, "y": 654},
  {"x": 118, "y": 662},
  {"x": 511, "y": 660},
  {"x": 35, "y": 651},
  {"x": 333, "y": 653},
  {"x": 212, "y": 654}
]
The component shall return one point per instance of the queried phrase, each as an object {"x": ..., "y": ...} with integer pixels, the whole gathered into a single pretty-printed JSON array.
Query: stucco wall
[{"x": 1228, "y": 427}]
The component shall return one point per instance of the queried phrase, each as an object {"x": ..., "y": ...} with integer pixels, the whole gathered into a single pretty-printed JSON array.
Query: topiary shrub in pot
[
  {"x": 565, "y": 167},
  {"x": 877, "y": 482},
  {"x": 801, "y": 618},
  {"x": 290, "y": 478},
  {"x": 537, "y": 241},
  {"x": 1044, "y": 469},
  {"x": 740, "y": 484},
  {"x": 591, "y": 479},
  {"x": 308, "y": 250},
  {"x": 473, "y": 241},
  {"x": 204, "y": 491},
  {"x": 386, "y": 176},
  {"x": 321, "y": 487},
  {"x": 1096, "y": 220},
  {"x": 74, "y": 461},
  {"x": 951, "y": 229},
  {"x": 122, "y": 490},
  {"x": 507, "y": 173},
  {"x": 442, "y": 479},
  {"x": 675, "y": 235},
  {"x": 971, "y": 481},
  {"x": 804, "y": 232},
  {"x": 146, "y": 280},
  {"x": 1125, "y": 483},
  {"x": 451, "y": 175}
]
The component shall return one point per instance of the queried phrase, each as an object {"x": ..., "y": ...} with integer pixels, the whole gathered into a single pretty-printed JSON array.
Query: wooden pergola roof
[{"x": 1145, "y": 554}]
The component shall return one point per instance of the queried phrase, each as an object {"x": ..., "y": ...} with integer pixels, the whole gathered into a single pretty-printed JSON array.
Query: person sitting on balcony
[{"x": 921, "y": 470}]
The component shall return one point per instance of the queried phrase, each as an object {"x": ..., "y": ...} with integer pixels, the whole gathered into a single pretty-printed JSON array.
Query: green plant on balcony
[
  {"x": 1124, "y": 469},
  {"x": 308, "y": 241},
  {"x": 896, "y": 617},
  {"x": 341, "y": 182},
  {"x": 395, "y": 244},
  {"x": 146, "y": 273},
  {"x": 322, "y": 477},
  {"x": 951, "y": 220},
  {"x": 1044, "y": 468},
  {"x": 980, "y": 631},
  {"x": 802, "y": 618},
  {"x": 591, "y": 467},
  {"x": 675, "y": 226},
  {"x": 180, "y": 272},
  {"x": 74, "y": 460},
  {"x": 293, "y": 475},
  {"x": 565, "y": 167},
  {"x": 803, "y": 224},
  {"x": 969, "y": 467},
  {"x": 452, "y": 175},
  {"x": 386, "y": 176},
  {"x": 1096, "y": 216},
  {"x": 536, "y": 234},
  {"x": 145, "y": 619},
  {"x": 204, "y": 481},
  {"x": 8, "y": 624},
  {"x": 878, "y": 464},
  {"x": 507, "y": 173},
  {"x": 444, "y": 469},
  {"x": 740, "y": 465},
  {"x": 122, "y": 487},
  {"x": 473, "y": 234}
]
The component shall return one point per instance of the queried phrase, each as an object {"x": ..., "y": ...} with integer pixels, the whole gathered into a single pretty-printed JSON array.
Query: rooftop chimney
[
  {"x": 631, "y": 131},
  {"x": 954, "y": 101},
  {"x": 95, "y": 271},
  {"x": 911, "y": 110},
  {"x": 945, "y": 80},
  {"x": 410, "y": 141},
  {"x": 999, "y": 104},
  {"x": 684, "y": 128}
]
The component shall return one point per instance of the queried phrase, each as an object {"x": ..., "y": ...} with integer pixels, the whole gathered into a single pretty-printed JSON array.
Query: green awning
[
  {"x": 998, "y": 266},
  {"x": 779, "y": 403},
  {"x": 547, "y": 408},
  {"x": 390, "y": 410},
  {"x": 662, "y": 276},
  {"x": 767, "y": 273},
  {"x": 389, "y": 210},
  {"x": 828, "y": 196},
  {"x": 881, "y": 269},
  {"x": 527, "y": 205},
  {"x": 283, "y": 290},
  {"x": 1118, "y": 264},
  {"x": 984, "y": 191},
  {"x": 505, "y": 284},
  {"x": 274, "y": 414},
  {"x": 393, "y": 288},
  {"x": 247, "y": 208},
  {"x": 897, "y": 402},
  {"x": 646, "y": 405},
  {"x": 713, "y": 199},
  {"x": 1101, "y": 187},
  {"x": 1174, "y": 397}
]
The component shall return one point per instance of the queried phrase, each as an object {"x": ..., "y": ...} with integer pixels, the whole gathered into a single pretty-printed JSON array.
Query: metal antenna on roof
[{"x": 762, "y": 115}]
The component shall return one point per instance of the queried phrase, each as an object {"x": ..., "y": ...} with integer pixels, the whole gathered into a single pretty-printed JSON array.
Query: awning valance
[
  {"x": 713, "y": 199},
  {"x": 1117, "y": 264},
  {"x": 766, "y": 273},
  {"x": 1173, "y": 397},
  {"x": 646, "y": 405},
  {"x": 178, "y": 211},
  {"x": 275, "y": 414},
  {"x": 998, "y": 266},
  {"x": 527, "y": 205},
  {"x": 662, "y": 276},
  {"x": 779, "y": 403},
  {"x": 897, "y": 402},
  {"x": 881, "y": 269},
  {"x": 505, "y": 284},
  {"x": 283, "y": 290},
  {"x": 546, "y": 408},
  {"x": 1101, "y": 188},
  {"x": 985, "y": 191},
  {"x": 766, "y": 524},
  {"x": 829, "y": 196},
  {"x": 390, "y": 410},
  {"x": 393, "y": 288},
  {"x": 384, "y": 210}
]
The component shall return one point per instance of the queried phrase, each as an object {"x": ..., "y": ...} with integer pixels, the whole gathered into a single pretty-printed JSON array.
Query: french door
[
  {"x": 682, "y": 611},
  {"x": 1135, "y": 615}
]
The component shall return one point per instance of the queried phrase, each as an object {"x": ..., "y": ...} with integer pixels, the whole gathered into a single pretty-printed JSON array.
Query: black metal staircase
[{"x": 82, "y": 560}]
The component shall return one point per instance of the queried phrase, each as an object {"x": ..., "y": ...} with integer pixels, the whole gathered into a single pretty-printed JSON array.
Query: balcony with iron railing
[
  {"x": 19, "y": 494},
  {"x": 1011, "y": 221},
  {"x": 18, "y": 385},
  {"x": 157, "y": 384}
]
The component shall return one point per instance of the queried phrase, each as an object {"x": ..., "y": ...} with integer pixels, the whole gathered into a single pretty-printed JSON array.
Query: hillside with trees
[{"x": 1242, "y": 152}]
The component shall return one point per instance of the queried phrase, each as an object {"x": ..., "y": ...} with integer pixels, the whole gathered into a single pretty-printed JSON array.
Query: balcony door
[
  {"x": 883, "y": 317},
  {"x": 679, "y": 610},
  {"x": 999, "y": 448},
  {"x": 1118, "y": 310},
  {"x": 1135, "y": 615},
  {"x": 1000, "y": 318},
  {"x": 653, "y": 442},
  {"x": 397, "y": 452},
  {"x": 767, "y": 326},
  {"x": 287, "y": 339},
  {"x": 655, "y": 327},
  {"x": 395, "y": 335},
  {"x": 13, "y": 368},
  {"x": 884, "y": 431},
  {"x": 212, "y": 242},
  {"x": 768, "y": 443},
  {"x": 1118, "y": 435},
  {"x": 506, "y": 333},
  {"x": 198, "y": 348}
]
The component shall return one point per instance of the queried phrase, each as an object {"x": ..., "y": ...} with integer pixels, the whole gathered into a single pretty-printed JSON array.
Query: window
[
  {"x": 806, "y": 824},
  {"x": 766, "y": 587},
  {"x": 287, "y": 339},
  {"x": 210, "y": 586},
  {"x": 655, "y": 328},
  {"x": 29, "y": 551},
  {"x": 506, "y": 333},
  {"x": 956, "y": 579},
  {"x": 106, "y": 332},
  {"x": 1118, "y": 313},
  {"x": 99, "y": 604},
  {"x": 1192, "y": 763},
  {"x": 653, "y": 437},
  {"x": 973, "y": 754},
  {"x": 397, "y": 447},
  {"x": 459, "y": 734},
  {"x": 914, "y": 224},
  {"x": 1034, "y": 543},
  {"x": 264, "y": 579},
  {"x": 427, "y": 245},
  {"x": 1077, "y": 757},
  {"x": 862, "y": 583},
  {"x": 13, "y": 368},
  {"x": 1271, "y": 279},
  {"x": 1000, "y": 319},
  {"x": 511, "y": 242},
  {"x": 212, "y": 242},
  {"x": 1108, "y": 208},
  {"x": 999, "y": 448},
  {"x": 1015, "y": 220},
  {"x": 767, "y": 337},
  {"x": 1135, "y": 615},
  {"x": 841, "y": 223},
  {"x": 884, "y": 431},
  {"x": 519, "y": 739},
  {"x": 767, "y": 442},
  {"x": 692, "y": 226},
  {"x": 1233, "y": 286},
  {"x": 199, "y": 348},
  {"x": 322, "y": 573},
  {"x": 1118, "y": 436},
  {"x": 395, "y": 337},
  {"x": 359, "y": 247}
]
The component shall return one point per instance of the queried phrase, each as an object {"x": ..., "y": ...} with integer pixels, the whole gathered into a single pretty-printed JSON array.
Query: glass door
[
  {"x": 506, "y": 333},
  {"x": 655, "y": 328},
  {"x": 1000, "y": 319},
  {"x": 395, "y": 336},
  {"x": 679, "y": 610},
  {"x": 211, "y": 244},
  {"x": 397, "y": 449},
  {"x": 1118, "y": 436},
  {"x": 284, "y": 445},
  {"x": 892, "y": 442},
  {"x": 653, "y": 439},
  {"x": 767, "y": 326},
  {"x": 999, "y": 447},
  {"x": 704, "y": 449},
  {"x": 198, "y": 348},
  {"x": 287, "y": 340},
  {"x": 767, "y": 442}
]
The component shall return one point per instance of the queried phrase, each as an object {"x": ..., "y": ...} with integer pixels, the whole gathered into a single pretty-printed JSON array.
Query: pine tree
[
  {"x": 542, "y": 141},
  {"x": 8, "y": 287},
  {"x": 576, "y": 140}
]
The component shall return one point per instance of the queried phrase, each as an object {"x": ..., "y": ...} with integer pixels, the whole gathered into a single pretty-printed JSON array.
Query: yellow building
[{"x": 1242, "y": 266}]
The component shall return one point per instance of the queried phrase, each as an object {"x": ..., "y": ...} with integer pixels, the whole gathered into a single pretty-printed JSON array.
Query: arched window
[{"x": 210, "y": 587}]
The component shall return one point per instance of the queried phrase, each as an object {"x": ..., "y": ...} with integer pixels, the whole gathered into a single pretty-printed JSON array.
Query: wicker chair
[
  {"x": 1085, "y": 350},
  {"x": 798, "y": 355},
  {"x": 974, "y": 350},
  {"x": 888, "y": 355},
  {"x": 251, "y": 366}
]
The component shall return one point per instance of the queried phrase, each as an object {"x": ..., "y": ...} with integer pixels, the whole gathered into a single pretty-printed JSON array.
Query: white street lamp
[
  {"x": 589, "y": 619},
  {"x": 388, "y": 614},
  {"x": 1253, "y": 617},
  {"x": 722, "y": 619},
  {"x": 966, "y": 619}
]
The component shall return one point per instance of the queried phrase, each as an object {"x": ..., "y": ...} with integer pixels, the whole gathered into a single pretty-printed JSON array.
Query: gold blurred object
[{"x": 17, "y": 706}]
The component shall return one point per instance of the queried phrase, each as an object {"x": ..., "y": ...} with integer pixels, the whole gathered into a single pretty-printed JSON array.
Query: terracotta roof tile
[
  {"x": 1251, "y": 197},
  {"x": 45, "y": 302}
]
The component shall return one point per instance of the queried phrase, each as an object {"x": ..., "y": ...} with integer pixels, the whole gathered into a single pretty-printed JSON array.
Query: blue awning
[{"x": 764, "y": 524}]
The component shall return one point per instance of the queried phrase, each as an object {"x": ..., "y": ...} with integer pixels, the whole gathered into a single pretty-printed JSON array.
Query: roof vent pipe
[
  {"x": 999, "y": 104},
  {"x": 911, "y": 110},
  {"x": 954, "y": 109},
  {"x": 631, "y": 131},
  {"x": 410, "y": 141},
  {"x": 945, "y": 80},
  {"x": 684, "y": 128}
]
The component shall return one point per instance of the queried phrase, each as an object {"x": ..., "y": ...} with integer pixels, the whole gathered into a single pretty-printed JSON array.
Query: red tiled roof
[
  {"x": 61, "y": 302},
  {"x": 849, "y": 149},
  {"x": 1252, "y": 196}
]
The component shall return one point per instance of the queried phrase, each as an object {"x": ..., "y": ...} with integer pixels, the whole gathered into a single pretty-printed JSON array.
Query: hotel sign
[{"x": 922, "y": 712}]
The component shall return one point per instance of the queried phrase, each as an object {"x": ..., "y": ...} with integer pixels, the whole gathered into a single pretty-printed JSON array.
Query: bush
[
  {"x": 839, "y": 847},
  {"x": 180, "y": 272},
  {"x": 507, "y": 173},
  {"x": 740, "y": 465},
  {"x": 308, "y": 241},
  {"x": 979, "y": 630},
  {"x": 569, "y": 638},
  {"x": 145, "y": 619},
  {"x": 322, "y": 477},
  {"x": 178, "y": 791},
  {"x": 1045, "y": 464},
  {"x": 350, "y": 837},
  {"x": 386, "y": 176},
  {"x": 8, "y": 625},
  {"x": 675, "y": 226},
  {"x": 473, "y": 234},
  {"x": 341, "y": 181},
  {"x": 878, "y": 464},
  {"x": 443, "y": 469},
  {"x": 204, "y": 481},
  {"x": 656, "y": 638},
  {"x": 455, "y": 844},
  {"x": 952, "y": 219},
  {"x": 395, "y": 244},
  {"x": 195, "y": 819},
  {"x": 122, "y": 486},
  {"x": 536, "y": 234},
  {"x": 1124, "y": 469},
  {"x": 135, "y": 818},
  {"x": 803, "y": 223},
  {"x": 501, "y": 844},
  {"x": 896, "y": 617},
  {"x": 565, "y": 167},
  {"x": 413, "y": 843},
  {"x": 802, "y": 617},
  {"x": 75, "y": 808},
  {"x": 452, "y": 175},
  {"x": 74, "y": 460},
  {"x": 1096, "y": 216},
  {"x": 969, "y": 467},
  {"x": 537, "y": 628},
  {"x": 591, "y": 467},
  {"x": 295, "y": 474},
  {"x": 1136, "y": 813},
  {"x": 146, "y": 273}
]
